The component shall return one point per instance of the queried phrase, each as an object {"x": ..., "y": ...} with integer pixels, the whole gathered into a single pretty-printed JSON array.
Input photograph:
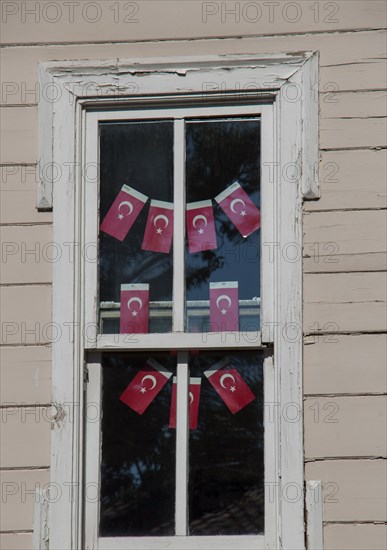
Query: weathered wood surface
[
  {"x": 32, "y": 366},
  {"x": 21, "y": 428},
  {"x": 353, "y": 490},
  {"x": 18, "y": 185},
  {"x": 348, "y": 61},
  {"x": 345, "y": 241},
  {"x": 154, "y": 19},
  {"x": 357, "y": 536},
  {"x": 16, "y": 541},
  {"x": 26, "y": 315},
  {"x": 340, "y": 426},
  {"x": 341, "y": 363},
  {"x": 28, "y": 253},
  {"x": 351, "y": 180},
  {"x": 16, "y": 511},
  {"x": 344, "y": 302}
]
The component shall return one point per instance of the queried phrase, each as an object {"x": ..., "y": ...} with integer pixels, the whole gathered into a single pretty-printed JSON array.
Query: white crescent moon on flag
[
  {"x": 128, "y": 204},
  {"x": 191, "y": 397},
  {"x": 197, "y": 218},
  {"x": 224, "y": 377},
  {"x": 149, "y": 377},
  {"x": 234, "y": 202},
  {"x": 161, "y": 217},
  {"x": 223, "y": 297},
  {"x": 135, "y": 299}
]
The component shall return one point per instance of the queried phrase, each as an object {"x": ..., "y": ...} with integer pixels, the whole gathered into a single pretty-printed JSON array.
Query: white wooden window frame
[{"x": 289, "y": 83}]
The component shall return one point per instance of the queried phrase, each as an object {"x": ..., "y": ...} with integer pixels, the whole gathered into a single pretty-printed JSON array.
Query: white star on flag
[
  {"x": 243, "y": 212},
  {"x": 120, "y": 216},
  {"x": 224, "y": 311},
  {"x": 201, "y": 231},
  {"x": 143, "y": 390},
  {"x": 159, "y": 231}
]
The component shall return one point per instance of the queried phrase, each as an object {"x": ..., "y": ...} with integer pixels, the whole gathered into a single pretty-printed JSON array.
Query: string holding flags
[
  {"x": 200, "y": 223},
  {"x": 223, "y": 377}
]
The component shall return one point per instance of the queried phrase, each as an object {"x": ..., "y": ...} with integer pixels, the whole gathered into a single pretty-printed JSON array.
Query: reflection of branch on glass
[{"x": 196, "y": 276}]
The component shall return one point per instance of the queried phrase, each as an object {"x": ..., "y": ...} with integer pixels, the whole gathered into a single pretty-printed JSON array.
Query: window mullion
[
  {"x": 178, "y": 307},
  {"x": 182, "y": 438}
]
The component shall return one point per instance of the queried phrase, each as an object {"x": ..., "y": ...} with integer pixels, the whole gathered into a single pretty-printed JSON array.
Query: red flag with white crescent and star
[
  {"x": 123, "y": 212},
  {"x": 230, "y": 385},
  {"x": 200, "y": 226},
  {"x": 194, "y": 397},
  {"x": 145, "y": 386},
  {"x": 159, "y": 227},
  {"x": 241, "y": 210},
  {"x": 224, "y": 306},
  {"x": 134, "y": 309}
]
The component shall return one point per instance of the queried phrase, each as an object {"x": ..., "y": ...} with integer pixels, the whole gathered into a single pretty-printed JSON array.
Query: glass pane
[
  {"x": 223, "y": 161},
  {"x": 136, "y": 166},
  {"x": 226, "y": 451},
  {"x": 138, "y": 450}
]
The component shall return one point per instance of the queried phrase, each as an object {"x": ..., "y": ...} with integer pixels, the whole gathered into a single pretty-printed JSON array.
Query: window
[
  {"x": 187, "y": 296},
  {"x": 198, "y": 170}
]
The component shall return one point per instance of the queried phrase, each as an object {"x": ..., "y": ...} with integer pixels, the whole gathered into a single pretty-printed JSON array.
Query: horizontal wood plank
[
  {"x": 18, "y": 134},
  {"x": 155, "y": 19},
  {"x": 353, "y": 104},
  {"x": 356, "y": 537},
  {"x": 26, "y": 316},
  {"x": 28, "y": 254},
  {"x": 353, "y": 490},
  {"x": 21, "y": 429},
  {"x": 351, "y": 179},
  {"x": 340, "y": 426},
  {"x": 25, "y": 374},
  {"x": 16, "y": 541},
  {"x": 343, "y": 363},
  {"x": 339, "y": 133},
  {"x": 344, "y": 302},
  {"x": 18, "y": 497},
  {"x": 345, "y": 241},
  {"x": 18, "y": 192}
]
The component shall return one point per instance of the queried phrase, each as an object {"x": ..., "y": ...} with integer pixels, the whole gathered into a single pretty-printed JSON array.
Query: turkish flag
[
  {"x": 230, "y": 385},
  {"x": 224, "y": 306},
  {"x": 134, "y": 309},
  {"x": 145, "y": 386},
  {"x": 241, "y": 210},
  {"x": 159, "y": 227},
  {"x": 200, "y": 226},
  {"x": 194, "y": 397},
  {"x": 123, "y": 212}
]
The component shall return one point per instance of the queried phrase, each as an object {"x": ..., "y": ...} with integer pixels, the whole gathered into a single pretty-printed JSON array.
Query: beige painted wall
[{"x": 344, "y": 233}]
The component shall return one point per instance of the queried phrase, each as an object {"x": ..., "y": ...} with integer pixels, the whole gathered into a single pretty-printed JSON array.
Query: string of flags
[
  {"x": 134, "y": 307},
  {"x": 200, "y": 223},
  {"x": 148, "y": 383}
]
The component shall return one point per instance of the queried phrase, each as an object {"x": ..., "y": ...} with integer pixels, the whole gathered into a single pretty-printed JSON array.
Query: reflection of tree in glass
[
  {"x": 138, "y": 471},
  {"x": 138, "y": 466},
  {"x": 217, "y": 154}
]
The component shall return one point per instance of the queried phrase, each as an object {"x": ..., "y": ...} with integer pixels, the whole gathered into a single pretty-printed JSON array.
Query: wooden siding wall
[{"x": 344, "y": 232}]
